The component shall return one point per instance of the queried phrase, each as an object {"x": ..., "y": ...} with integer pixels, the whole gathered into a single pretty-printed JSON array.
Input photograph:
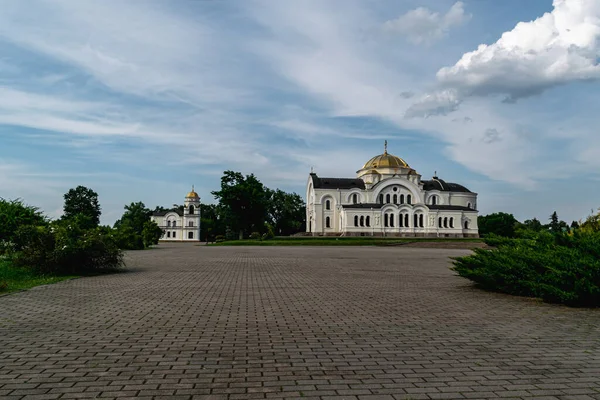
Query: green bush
[
  {"x": 151, "y": 233},
  {"x": 127, "y": 238},
  {"x": 269, "y": 233},
  {"x": 561, "y": 268},
  {"x": 64, "y": 247},
  {"x": 255, "y": 236},
  {"x": 13, "y": 214},
  {"x": 220, "y": 238}
]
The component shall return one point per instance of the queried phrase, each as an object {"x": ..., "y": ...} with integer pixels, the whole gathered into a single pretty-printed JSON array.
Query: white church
[
  {"x": 389, "y": 198},
  {"x": 181, "y": 226}
]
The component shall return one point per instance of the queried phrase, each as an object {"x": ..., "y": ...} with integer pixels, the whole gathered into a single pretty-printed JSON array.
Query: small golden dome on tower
[{"x": 192, "y": 194}]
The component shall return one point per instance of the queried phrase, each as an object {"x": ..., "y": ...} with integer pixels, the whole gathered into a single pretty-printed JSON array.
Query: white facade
[
  {"x": 388, "y": 198},
  {"x": 181, "y": 227}
]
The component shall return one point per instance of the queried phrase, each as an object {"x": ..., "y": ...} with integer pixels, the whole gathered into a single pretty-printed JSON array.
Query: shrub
[
  {"x": 255, "y": 236},
  {"x": 13, "y": 214},
  {"x": 151, "y": 233},
  {"x": 558, "y": 268},
  {"x": 63, "y": 247},
  {"x": 127, "y": 238},
  {"x": 220, "y": 238},
  {"x": 269, "y": 233}
]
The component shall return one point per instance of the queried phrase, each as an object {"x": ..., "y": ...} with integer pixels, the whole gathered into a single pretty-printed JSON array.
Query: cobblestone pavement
[{"x": 195, "y": 322}]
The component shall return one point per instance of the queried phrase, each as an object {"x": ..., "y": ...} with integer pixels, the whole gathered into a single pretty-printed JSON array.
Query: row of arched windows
[
  {"x": 395, "y": 199},
  {"x": 362, "y": 220},
  {"x": 169, "y": 223},
  {"x": 446, "y": 222}
]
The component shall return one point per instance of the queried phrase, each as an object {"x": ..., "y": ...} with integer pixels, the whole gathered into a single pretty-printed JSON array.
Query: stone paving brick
[{"x": 194, "y": 322}]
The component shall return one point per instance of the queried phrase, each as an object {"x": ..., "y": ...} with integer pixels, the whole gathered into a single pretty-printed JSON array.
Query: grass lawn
[
  {"x": 14, "y": 278},
  {"x": 337, "y": 241}
]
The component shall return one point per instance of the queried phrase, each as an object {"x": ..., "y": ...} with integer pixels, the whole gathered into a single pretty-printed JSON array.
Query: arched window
[
  {"x": 406, "y": 219},
  {"x": 433, "y": 200},
  {"x": 416, "y": 220},
  {"x": 328, "y": 204},
  {"x": 381, "y": 199},
  {"x": 362, "y": 220},
  {"x": 421, "y": 221},
  {"x": 327, "y": 221},
  {"x": 355, "y": 198},
  {"x": 190, "y": 235},
  {"x": 174, "y": 223},
  {"x": 356, "y": 220},
  {"x": 466, "y": 224},
  {"x": 409, "y": 199},
  {"x": 451, "y": 222},
  {"x": 191, "y": 209},
  {"x": 445, "y": 222},
  {"x": 174, "y": 233},
  {"x": 395, "y": 199},
  {"x": 168, "y": 234},
  {"x": 168, "y": 223},
  {"x": 440, "y": 223},
  {"x": 191, "y": 223},
  {"x": 401, "y": 199},
  {"x": 385, "y": 220},
  {"x": 387, "y": 198},
  {"x": 468, "y": 205},
  {"x": 392, "y": 220},
  {"x": 401, "y": 224}
]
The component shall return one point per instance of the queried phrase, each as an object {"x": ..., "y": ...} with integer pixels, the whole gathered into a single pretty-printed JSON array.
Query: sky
[{"x": 140, "y": 100}]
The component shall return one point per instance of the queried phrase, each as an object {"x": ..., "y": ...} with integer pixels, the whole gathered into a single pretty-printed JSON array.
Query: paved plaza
[{"x": 197, "y": 322}]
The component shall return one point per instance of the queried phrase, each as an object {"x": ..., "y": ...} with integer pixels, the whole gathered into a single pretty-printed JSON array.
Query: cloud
[
  {"x": 439, "y": 103},
  {"x": 422, "y": 25},
  {"x": 558, "y": 48}
]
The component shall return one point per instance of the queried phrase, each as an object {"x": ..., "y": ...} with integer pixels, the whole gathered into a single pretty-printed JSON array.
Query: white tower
[{"x": 191, "y": 217}]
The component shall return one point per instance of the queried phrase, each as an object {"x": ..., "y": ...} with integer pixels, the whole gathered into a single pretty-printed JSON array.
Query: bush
[
  {"x": 255, "y": 236},
  {"x": 151, "y": 233},
  {"x": 127, "y": 238},
  {"x": 13, "y": 214},
  {"x": 269, "y": 233},
  {"x": 220, "y": 238},
  {"x": 63, "y": 247},
  {"x": 561, "y": 268}
]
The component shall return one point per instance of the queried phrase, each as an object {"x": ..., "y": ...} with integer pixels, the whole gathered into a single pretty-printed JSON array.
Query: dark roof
[
  {"x": 449, "y": 208},
  {"x": 337, "y": 183},
  {"x": 363, "y": 205},
  {"x": 442, "y": 185},
  {"x": 163, "y": 213}
]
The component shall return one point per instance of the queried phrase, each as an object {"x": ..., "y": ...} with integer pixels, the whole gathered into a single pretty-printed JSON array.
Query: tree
[
  {"x": 556, "y": 225},
  {"x": 211, "y": 221},
  {"x": 533, "y": 225},
  {"x": 502, "y": 224},
  {"x": 82, "y": 201},
  {"x": 244, "y": 201},
  {"x": 286, "y": 212},
  {"x": 151, "y": 233},
  {"x": 135, "y": 215}
]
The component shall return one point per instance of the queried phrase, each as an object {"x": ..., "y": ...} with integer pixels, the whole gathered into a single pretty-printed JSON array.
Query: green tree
[
  {"x": 500, "y": 223},
  {"x": 556, "y": 225},
  {"x": 591, "y": 223},
  {"x": 13, "y": 214},
  {"x": 244, "y": 201},
  {"x": 533, "y": 225},
  {"x": 135, "y": 215},
  {"x": 151, "y": 233},
  {"x": 212, "y": 222},
  {"x": 84, "y": 202},
  {"x": 286, "y": 212}
]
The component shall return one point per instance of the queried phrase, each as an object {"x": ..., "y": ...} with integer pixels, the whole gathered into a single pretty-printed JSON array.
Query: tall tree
[
  {"x": 211, "y": 221},
  {"x": 286, "y": 212},
  {"x": 244, "y": 202},
  {"x": 135, "y": 216},
  {"x": 499, "y": 223},
  {"x": 82, "y": 203}
]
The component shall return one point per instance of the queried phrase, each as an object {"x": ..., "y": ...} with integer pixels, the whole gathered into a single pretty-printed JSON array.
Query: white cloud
[
  {"x": 422, "y": 25},
  {"x": 560, "y": 47}
]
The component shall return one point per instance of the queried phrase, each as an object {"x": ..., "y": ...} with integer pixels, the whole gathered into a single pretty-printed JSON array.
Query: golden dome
[
  {"x": 192, "y": 194},
  {"x": 385, "y": 160}
]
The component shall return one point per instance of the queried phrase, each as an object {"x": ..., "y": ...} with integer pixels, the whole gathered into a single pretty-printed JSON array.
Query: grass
[
  {"x": 337, "y": 241},
  {"x": 15, "y": 278}
]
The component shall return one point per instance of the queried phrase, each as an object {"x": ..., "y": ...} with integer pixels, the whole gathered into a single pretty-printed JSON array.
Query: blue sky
[{"x": 141, "y": 99}]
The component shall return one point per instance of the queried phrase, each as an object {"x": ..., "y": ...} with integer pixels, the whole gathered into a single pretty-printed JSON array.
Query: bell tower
[{"x": 191, "y": 216}]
